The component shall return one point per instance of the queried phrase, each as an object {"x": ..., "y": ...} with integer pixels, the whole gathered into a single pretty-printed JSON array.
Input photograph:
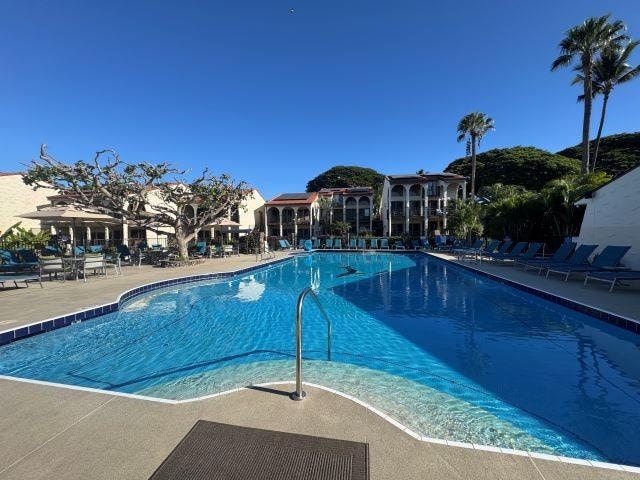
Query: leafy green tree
[
  {"x": 17, "y": 236},
  {"x": 141, "y": 192},
  {"x": 340, "y": 228},
  {"x": 465, "y": 218},
  {"x": 617, "y": 154},
  {"x": 609, "y": 70},
  {"x": 325, "y": 204},
  {"x": 342, "y": 177},
  {"x": 581, "y": 44},
  {"x": 528, "y": 167},
  {"x": 473, "y": 127}
]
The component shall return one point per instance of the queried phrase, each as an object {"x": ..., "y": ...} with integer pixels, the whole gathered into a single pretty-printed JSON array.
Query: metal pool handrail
[{"x": 299, "y": 394}]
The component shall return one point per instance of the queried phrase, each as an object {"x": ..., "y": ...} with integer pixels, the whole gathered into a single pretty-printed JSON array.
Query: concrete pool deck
[{"x": 51, "y": 432}]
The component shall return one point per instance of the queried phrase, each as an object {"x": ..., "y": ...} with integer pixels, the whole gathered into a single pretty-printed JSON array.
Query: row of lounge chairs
[
  {"x": 567, "y": 260},
  {"x": 354, "y": 244}
]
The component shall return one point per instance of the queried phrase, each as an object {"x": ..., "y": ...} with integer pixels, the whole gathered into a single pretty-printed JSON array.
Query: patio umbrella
[
  {"x": 72, "y": 215},
  {"x": 223, "y": 225}
]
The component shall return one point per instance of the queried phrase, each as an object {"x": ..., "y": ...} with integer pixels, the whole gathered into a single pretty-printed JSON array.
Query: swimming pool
[{"x": 448, "y": 353}]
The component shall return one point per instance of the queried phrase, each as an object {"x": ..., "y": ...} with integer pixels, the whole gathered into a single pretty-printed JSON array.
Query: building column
[
  {"x": 125, "y": 233},
  {"x": 295, "y": 225},
  {"x": 88, "y": 231},
  {"x": 266, "y": 222},
  {"x": 358, "y": 216},
  {"x": 280, "y": 219},
  {"x": 407, "y": 211},
  {"x": 370, "y": 214}
]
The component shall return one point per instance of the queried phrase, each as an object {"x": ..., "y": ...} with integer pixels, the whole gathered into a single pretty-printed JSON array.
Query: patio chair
[
  {"x": 95, "y": 249},
  {"x": 316, "y": 243},
  {"x": 614, "y": 277},
  {"x": 578, "y": 257},
  {"x": 384, "y": 244},
  {"x": 301, "y": 243},
  {"x": 362, "y": 244},
  {"x": 286, "y": 242},
  {"x": 461, "y": 250},
  {"x": 53, "y": 266},
  {"x": 337, "y": 244},
  {"x": 415, "y": 244},
  {"x": 560, "y": 255},
  {"x": 94, "y": 263},
  {"x": 125, "y": 253},
  {"x": 608, "y": 258},
  {"x": 373, "y": 244},
  {"x": 328, "y": 243},
  {"x": 441, "y": 243},
  {"x": 78, "y": 251},
  {"x": 504, "y": 255},
  {"x": 352, "y": 244}
]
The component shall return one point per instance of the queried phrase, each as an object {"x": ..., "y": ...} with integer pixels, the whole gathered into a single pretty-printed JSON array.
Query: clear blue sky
[{"x": 276, "y": 98}]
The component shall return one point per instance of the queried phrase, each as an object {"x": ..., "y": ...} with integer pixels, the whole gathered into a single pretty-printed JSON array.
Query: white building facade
[
  {"x": 612, "y": 216},
  {"x": 17, "y": 198},
  {"x": 417, "y": 204}
]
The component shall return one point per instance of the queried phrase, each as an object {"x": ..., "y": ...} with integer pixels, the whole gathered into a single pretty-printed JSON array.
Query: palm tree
[
  {"x": 609, "y": 70},
  {"x": 473, "y": 127},
  {"x": 581, "y": 44}
]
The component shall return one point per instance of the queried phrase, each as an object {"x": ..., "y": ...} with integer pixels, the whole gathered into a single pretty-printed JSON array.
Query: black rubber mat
[{"x": 214, "y": 451}]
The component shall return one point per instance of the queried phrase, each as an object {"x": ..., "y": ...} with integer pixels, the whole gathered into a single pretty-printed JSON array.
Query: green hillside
[
  {"x": 618, "y": 153},
  {"x": 528, "y": 167}
]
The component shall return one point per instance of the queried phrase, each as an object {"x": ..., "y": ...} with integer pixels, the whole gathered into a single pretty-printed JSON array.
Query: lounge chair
[
  {"x": 95, "y": 249},
  {"x": 608, "y": 258},
  {"x": 560, "y": 255},
  {"x": 352, "y": 244},
  {"x": 19, "y": 278},
  {"x": 441, "y": 242},
  {"x": 373, "y": 244},
  {"x": 286, "y": 242},
  {"x": 398, "y": 245},
  {"x": 532, "y": 251},
  {"x": 384, "y": 244},
  {"x": 415, "y": 244},
  {"x": 461, "y": 250},
  {"x": 301, "y": 243},
  {"x": 316, "y": 243},
  {"x": 28, "y": 258},
  {"x": 578, "y": 257},
  {"x": 10, "y": 262},
  {"x": 503, "y": 254},
  {"x": 614, "y": 277},
  {"x": 337, "y": 244},
  {"x": 78, "y": 250},
  {"x": 328, "y": 243},
  {"x": 501, "y": 251},
  {"x": 200, "y": 250},
  {"x": 362, "y": 244},
  {"x": 284, "y": 245}
]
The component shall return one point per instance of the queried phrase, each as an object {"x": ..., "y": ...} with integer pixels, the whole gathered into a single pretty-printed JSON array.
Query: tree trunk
[
  {"x": 473, "y": 166},
  {"x": 586, "y": 119},
  {"x": 182, "y": 240},
  {"x": 604, "y": 111}
]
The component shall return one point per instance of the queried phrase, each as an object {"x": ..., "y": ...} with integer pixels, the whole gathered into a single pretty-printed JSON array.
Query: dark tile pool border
[{"x": 25, "y": 331}]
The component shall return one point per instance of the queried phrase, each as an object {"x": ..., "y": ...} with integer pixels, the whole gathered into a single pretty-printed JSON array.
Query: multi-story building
[
  {"x": 293, "y": 215},
  {"x": 17, "y": 198},
  {"x": 417, "y": 204},
  {"x": 353, "y": 205}
]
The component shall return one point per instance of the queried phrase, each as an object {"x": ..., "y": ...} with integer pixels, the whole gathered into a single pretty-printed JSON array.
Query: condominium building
[
  {"x": 353, "y": 205},
  {"x": 293, "y": 215},
  {"x": 17, "y": 198},
  {"x": 417, "y": 204}
]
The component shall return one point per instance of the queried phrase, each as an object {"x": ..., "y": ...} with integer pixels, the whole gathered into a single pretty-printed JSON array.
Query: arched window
[
  {"x": 273, "y": 215},
  {"x": 415, "y": 191},
  {"x": 397, "y": 191}
]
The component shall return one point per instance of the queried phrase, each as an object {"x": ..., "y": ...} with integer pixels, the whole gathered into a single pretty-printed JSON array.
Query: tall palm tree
[
  {"x": 473, "y": 127},
  {"x": 581, "y": 44},
  {"x": 610, "y": 70}
]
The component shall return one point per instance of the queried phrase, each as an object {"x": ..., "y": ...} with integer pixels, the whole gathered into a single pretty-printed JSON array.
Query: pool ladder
[{"x": 299, "y": 394}]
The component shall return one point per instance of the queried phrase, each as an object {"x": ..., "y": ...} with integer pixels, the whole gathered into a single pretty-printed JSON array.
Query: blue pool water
[{"x": 447, "y": 353}]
